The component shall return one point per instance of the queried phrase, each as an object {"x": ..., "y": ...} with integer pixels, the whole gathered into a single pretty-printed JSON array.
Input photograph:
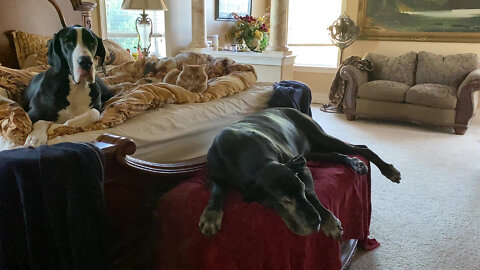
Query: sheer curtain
[{"x": 308, "y": 36}]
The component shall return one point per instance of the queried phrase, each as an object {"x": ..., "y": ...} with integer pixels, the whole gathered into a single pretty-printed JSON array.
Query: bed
[{"x": 141, "y": 165}]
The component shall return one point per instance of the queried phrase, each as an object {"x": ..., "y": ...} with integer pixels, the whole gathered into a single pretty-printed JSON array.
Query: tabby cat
[{"x": 192, "y": 77}]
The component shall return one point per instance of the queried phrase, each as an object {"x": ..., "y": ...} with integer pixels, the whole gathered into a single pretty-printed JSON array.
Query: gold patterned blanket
[{"x": 138, "y": 86}]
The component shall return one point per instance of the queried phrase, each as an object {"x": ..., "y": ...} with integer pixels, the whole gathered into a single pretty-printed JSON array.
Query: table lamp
[{"x": 143, "y": 24}]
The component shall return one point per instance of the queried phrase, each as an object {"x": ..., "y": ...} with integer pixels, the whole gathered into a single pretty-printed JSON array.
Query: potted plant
[{"x": 251, "y": 31}]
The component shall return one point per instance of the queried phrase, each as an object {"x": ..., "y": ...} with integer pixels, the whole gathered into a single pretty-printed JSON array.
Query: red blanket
[{"x": 255, "y": 237}]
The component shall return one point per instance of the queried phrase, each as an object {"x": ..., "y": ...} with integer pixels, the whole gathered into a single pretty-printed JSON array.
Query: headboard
[{"x": 38, "y": 17}]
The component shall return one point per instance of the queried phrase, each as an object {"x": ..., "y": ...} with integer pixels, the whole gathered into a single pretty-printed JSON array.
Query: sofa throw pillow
[
  {"x": 399, "y": 69},
  {"x": 36, "y": 59},
  {"x": 448, "y": 70},
  {"x": 116, "y": 54},
  {"x": 27, "y": 44}
]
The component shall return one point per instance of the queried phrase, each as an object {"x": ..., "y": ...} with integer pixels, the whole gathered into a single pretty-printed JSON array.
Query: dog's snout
[{"x": 85, "y": 62}]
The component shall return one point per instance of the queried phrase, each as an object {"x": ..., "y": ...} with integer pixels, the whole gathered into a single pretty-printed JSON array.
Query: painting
[
  {"x": 224, "y": 9},
  {"x": 420, "y": 20}
]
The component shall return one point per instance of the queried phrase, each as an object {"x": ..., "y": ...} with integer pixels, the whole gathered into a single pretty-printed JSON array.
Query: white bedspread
[{"x": 177, "y": 132}]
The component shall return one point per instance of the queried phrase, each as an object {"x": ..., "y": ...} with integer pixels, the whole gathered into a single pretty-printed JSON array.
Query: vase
[{"x": 253, "y": 44}]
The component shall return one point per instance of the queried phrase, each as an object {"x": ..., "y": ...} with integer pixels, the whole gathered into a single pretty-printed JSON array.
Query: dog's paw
[
  {"x": 35, "y": 140},
  {"x": 210, "y": 222},
  {"x": 359, "y": 166},
  {"x": 94, "y": 115},
  {"x": 391, "y": 173},
  {"x": 38, "y": 136},
  {"x": 87, "y": 118},
  {"x": 332, "y": 227}
]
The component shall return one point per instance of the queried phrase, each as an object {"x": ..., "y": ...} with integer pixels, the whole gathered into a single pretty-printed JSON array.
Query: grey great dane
[{"x": 262, "y": 156}]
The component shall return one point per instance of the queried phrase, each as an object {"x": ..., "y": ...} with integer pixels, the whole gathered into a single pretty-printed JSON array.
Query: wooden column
[
  {"x": 278, "y": 26},
  {"x": 199, "y": 25}
]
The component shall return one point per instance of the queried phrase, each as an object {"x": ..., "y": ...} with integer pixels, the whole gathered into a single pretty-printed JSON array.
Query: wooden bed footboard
[{"x": 132, "y": 189}]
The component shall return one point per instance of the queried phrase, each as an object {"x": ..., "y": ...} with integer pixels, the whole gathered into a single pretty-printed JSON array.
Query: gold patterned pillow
[
  {"x": 116, "y": 54},
  {"x": 36, "y": 59},
  {"x": 27, "y": 44}
]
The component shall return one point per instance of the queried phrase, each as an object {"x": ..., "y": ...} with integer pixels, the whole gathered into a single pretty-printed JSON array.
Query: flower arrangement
[{"x": 251, "y": 31}]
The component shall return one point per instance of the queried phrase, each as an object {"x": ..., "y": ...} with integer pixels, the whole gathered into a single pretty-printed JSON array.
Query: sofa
[{"x": 423, "y": 88}]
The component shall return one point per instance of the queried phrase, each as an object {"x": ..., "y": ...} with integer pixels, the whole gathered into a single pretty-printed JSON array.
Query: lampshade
[{"x": 144, "y": 4}]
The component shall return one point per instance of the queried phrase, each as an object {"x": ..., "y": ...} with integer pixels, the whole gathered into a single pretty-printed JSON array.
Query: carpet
[{"x": 431, "y": 220}]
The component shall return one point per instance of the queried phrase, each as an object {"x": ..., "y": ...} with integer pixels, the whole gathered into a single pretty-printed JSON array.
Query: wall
[
  {"x": 320, "y": 83},
  {"x": 31, "y": 16},
  {"x": 178, "y": 25}
]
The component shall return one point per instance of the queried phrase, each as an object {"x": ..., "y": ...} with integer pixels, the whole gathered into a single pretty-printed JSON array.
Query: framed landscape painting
[
  {"x": 414, "y": 20},
  {"x": 225, "y": 8}
]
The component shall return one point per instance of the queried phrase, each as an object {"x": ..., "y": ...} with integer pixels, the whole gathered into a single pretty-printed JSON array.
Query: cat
[{"x": 192, "y": 77}]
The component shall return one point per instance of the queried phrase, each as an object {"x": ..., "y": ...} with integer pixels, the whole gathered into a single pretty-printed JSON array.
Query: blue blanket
[
  {"x": 52, "y": 211},
  {"x": 292, "y": 94}
]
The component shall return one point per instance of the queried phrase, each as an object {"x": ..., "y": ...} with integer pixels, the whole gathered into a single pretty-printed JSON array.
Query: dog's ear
[
  {"x": 101, "y": 53},
  {"x": 297, "y": 163},
  {"x": 100, "y": 50},
  {"x": 55, "y": 55}
]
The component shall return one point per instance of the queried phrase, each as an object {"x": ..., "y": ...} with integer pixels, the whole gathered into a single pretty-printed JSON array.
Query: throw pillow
[
  {"x": 27, "y": 44},
  {"x": 116, "y": 54},
  {"x": 397, "y": 69},
  {"x": 445, "y": 69}
]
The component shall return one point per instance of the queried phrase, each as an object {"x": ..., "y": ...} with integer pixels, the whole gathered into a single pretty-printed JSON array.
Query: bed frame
[
  {"x": 133, "y": 187},
  {"x": 78, "y": 5},
  {"x": 125, "y": 175}
]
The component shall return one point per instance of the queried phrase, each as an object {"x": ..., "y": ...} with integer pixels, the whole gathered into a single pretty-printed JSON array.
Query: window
[
  {"x": 308, "y": 36},
  {"x": 121, "y": 27}
]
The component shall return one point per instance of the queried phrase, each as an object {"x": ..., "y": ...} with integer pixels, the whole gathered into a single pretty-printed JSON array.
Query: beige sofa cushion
[
  {"x": 449, "y": 69},
  {"x": 383, "y": 91},
  {"x": 405, "y": 111},
  {"x": 432, "y": 95},
  {"x": 398, "y": 69}
]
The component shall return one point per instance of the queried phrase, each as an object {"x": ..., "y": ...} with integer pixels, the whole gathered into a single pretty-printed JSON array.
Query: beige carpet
[{"x": 431, "y": 220}]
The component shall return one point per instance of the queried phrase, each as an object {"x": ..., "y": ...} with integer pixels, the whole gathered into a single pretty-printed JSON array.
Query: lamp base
[{"x": 143, "y": 22}]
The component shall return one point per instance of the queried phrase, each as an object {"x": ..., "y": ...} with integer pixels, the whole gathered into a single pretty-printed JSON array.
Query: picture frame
[
  {"x": 394, "y": 20},
  {"x": 225, "y": 8}
]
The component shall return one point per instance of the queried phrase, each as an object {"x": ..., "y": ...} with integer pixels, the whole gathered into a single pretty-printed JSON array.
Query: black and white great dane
[
  {"x": 262, "y": 156},
  {"x": 69, "y": 92}
]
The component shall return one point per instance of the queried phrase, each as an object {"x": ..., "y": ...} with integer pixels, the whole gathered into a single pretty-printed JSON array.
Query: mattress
[{"x": 179, "y": 131}]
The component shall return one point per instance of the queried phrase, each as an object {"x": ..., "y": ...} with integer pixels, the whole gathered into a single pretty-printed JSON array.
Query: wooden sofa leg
[
  {"x": 460, "y": 130},
  {"x": 351, "y": 117}
]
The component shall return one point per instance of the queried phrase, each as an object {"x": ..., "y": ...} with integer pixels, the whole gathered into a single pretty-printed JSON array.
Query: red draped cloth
[{"x": 255, "y": 237}]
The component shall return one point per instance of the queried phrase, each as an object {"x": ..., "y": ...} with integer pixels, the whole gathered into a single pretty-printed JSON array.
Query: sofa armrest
[
  {"x": 467, "y": 98},
  {"x": 354, "y": 77}
]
